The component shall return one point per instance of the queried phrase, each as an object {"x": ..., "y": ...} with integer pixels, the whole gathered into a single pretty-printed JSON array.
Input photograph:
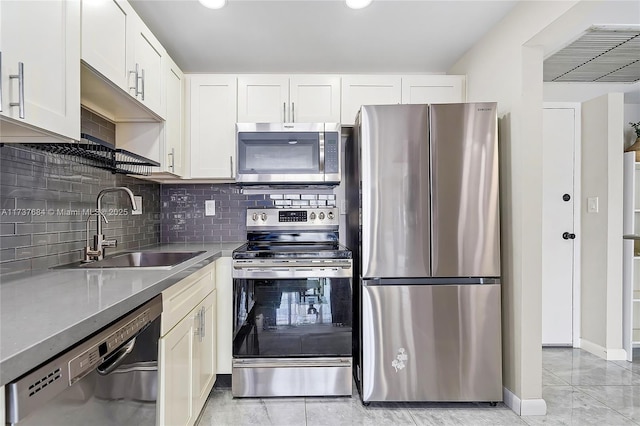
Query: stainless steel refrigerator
[{"x": 423, "y": 221}]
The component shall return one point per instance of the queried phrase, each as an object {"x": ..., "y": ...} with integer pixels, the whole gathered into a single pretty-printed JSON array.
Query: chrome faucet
[{"x": 96, "y": 252}]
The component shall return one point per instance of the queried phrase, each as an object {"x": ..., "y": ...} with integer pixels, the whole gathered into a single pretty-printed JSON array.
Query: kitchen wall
[
  {"x": 601, "y": 232},
  {"x": 183, "y": 213},
  {"x": 44, "y": 200},
  {"x": 183, "y": 209},
  {"x": 506, "y": 66}
]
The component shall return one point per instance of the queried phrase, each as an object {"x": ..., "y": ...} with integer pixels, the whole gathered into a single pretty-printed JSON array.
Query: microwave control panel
[{"x": 331, "y": 152}]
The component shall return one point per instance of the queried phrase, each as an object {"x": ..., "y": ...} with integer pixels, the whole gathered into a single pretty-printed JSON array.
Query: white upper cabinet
[
  {"x": 314, "y": 99},
  {"x": 263, "y": 99},
  {"x": 173, "y": 152},
  {"x": 211, "y": 108},
  {"x": 146, "y": 75},
  {"x": 120, "y": 47},
  {"x": 358, "y": 90},
  {"x": 292, "y": 99},
  {"x": 104, "y": 39},
  {"x": 433, "y": 89},
  {"x": 162, "y": 142},
  {"x": 40, "y": 68}
]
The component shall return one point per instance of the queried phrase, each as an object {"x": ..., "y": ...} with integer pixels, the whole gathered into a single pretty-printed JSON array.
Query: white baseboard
[
  {"x": 602, "y": 352},
  {"x": 528, "y": 407}
]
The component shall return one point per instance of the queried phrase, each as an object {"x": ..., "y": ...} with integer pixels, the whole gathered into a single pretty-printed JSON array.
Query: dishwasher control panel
[{"x": 84, "y": 363}]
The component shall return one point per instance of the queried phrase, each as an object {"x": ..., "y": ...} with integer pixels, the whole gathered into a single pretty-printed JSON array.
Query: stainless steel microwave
[{"x": 288, "y": 153}]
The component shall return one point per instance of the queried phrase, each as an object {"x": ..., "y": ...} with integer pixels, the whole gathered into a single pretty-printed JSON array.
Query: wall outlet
[
  {"x": 210, "y": 207},
  {"x": 138, "y": 200},
  {"x": 592, "y": 205}
]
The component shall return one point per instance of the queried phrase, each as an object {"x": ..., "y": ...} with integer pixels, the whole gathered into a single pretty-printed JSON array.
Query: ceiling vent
[{"x": 600, "y": 55}]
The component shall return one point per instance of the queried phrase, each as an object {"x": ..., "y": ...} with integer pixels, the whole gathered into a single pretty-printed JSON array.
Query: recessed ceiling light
[
  {"x": 213, "y": 4},
  {"x": 358, "y": 4}
]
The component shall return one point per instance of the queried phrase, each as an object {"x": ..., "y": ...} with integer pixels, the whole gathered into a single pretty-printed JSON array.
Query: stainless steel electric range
[{"x": 292, "y": 306}]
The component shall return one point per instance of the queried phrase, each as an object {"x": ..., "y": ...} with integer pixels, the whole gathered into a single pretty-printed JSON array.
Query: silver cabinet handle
[
  {"x": 198, "y": 321},
  {"x": 0, "y": 81},
  {"x": 284, "y": 112},
  {"x": 135, "y": 84},
  {"x": 173, "y": 157},
  {"x": 142, "y": 91},
  {"x": 20, "y": 77},
  {"x": 203, "y": 323},
  {"x": 231, "y": 164},
  {"x": 293, "y": 112}
]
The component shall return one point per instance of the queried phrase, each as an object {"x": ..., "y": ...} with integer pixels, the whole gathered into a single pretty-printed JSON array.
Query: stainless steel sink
[{"x": 139, "y": 259}]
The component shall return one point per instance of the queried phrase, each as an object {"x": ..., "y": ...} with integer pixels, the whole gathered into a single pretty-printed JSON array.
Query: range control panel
[{"x": 293, "y": 218}]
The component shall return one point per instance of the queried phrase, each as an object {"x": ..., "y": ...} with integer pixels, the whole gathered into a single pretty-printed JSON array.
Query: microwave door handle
[{"x": 321, "y": 152}]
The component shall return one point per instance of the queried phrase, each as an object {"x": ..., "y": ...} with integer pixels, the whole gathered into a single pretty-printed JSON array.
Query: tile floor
[{"x": 579, "y": 388}]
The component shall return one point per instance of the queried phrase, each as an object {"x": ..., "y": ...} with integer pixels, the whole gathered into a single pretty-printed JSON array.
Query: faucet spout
[{"x": 100, "y": 242}]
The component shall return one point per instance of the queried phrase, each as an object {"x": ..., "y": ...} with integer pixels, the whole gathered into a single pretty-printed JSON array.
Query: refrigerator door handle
[{"x": 431, "y": 281}]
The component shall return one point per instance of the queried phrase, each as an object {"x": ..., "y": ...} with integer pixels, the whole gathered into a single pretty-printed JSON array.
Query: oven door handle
[
  {"x": 292, "y": 266},
  {"x": 117, "y": 358}
]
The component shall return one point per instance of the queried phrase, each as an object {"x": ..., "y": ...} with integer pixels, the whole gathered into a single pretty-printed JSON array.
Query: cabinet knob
[
  {"x": 566, "y": 197},
  {"x": 568, "y": 236}
]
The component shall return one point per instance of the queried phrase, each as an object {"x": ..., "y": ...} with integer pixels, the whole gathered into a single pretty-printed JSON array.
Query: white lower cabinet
[
  {"x": 204, "y": 352},
  {"x": 187, "y": 348}
]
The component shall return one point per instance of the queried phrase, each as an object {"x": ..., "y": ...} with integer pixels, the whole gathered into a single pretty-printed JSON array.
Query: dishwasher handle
[{"x": 116, "y": 359}]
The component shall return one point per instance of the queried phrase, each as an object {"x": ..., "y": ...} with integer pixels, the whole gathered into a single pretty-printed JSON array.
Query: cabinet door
[
  {"x": 224, "y": 288},
  {"x": 175, "y": 396},
  {"x": 263, "y": 99},
  {"x": 204, "y": 374},
  {"x": 433, "y": 89},
  {"x": 45, "y": 37},
  {"x": 173, "y": 153},
  {"x": 211, "y": 134},
  {"x": 315, "y": 99},
  {"x": 148, "y": 56},
  {"x": 111, "y": 55},
  {"x": 368, "y": 90}
]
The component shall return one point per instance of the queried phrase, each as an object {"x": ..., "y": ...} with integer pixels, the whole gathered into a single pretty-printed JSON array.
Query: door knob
[
  {"x": 566, "y": 197},
  {"x": 568, "y": 236}
]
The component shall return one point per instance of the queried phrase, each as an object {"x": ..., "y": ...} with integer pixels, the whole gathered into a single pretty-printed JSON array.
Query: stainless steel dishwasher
[{"x": 109, "y": 379}]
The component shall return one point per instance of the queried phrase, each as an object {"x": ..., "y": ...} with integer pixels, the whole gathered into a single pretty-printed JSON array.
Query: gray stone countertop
[{"x": 42, "y": 313}]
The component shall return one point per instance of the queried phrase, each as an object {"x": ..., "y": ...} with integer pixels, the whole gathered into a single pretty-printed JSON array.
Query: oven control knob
[
  {"x": 263, "y": 216},
  {"x": 321, "y": 216},
  {"x": 312, "y": 216},
  {"x": 255, "y": 217},
  {"x": 330, "y": 215}
]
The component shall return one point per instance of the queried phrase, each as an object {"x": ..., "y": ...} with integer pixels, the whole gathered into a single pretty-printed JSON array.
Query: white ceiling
[{"x": 319, "y": 36}]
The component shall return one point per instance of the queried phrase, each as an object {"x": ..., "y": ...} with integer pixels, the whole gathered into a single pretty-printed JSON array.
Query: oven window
[
  {"x": 292, "y": 317},
  {"x": 274, "y": 152}
]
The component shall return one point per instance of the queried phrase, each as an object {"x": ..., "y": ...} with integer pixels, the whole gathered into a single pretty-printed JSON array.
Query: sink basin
[{"x": 140, "y": 259}]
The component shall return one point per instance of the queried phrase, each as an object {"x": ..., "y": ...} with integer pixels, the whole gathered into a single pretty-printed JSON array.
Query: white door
[{"x": 558, "y": 234}]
